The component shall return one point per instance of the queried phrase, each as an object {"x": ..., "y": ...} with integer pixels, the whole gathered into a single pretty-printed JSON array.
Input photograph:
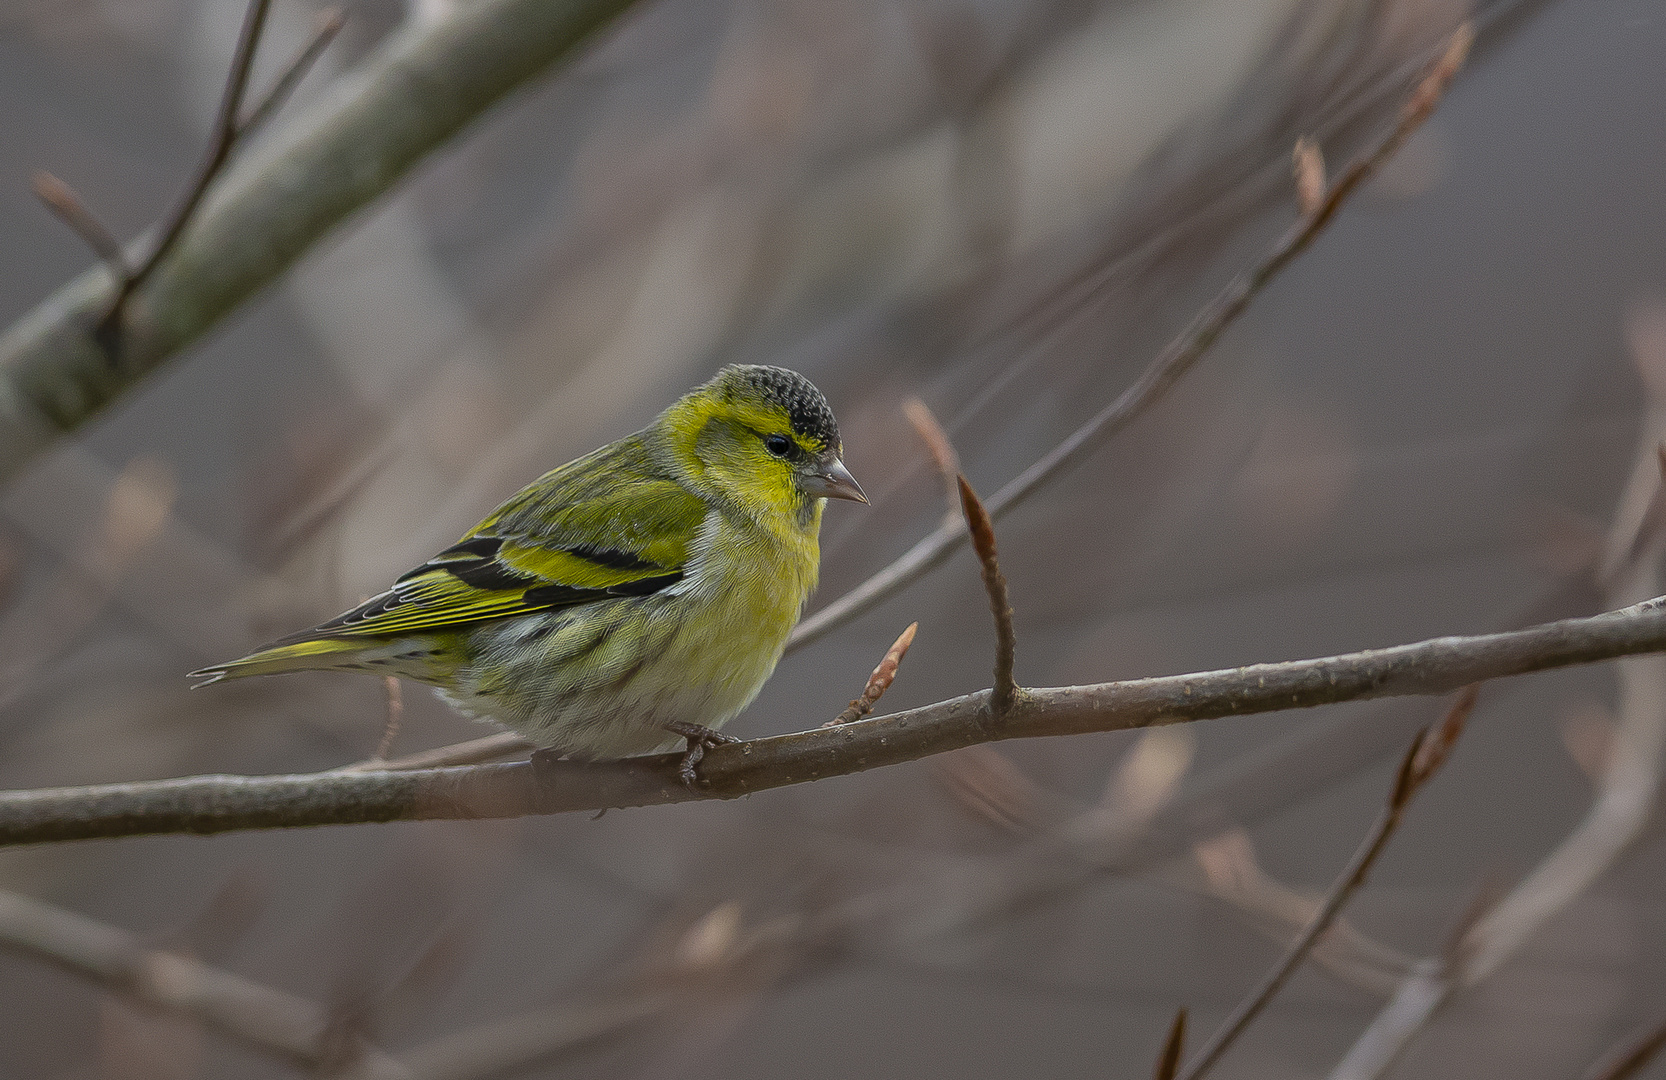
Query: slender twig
[
  {"x": 209, "y": 804},
  {"x": 938, "y": 445},
  {"x": 325, "y": 28},
  {"x": 1170, "y": 365},
  {"x": 1632, "y": 1056},
  {"x": 221, "y": 141},
  {"x": 1427, "y": 753},
  {"x": 1004, "y": 690},
  {"x": 62, "y": 200},
  {"x": 1168, "y": 1062},
  {"x": 880, "y": 681}
]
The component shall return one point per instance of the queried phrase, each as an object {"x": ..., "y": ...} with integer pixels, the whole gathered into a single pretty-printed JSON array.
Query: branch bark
[
  {"x": 212, "y": 804},
  {"x": 424, "y": 85}
]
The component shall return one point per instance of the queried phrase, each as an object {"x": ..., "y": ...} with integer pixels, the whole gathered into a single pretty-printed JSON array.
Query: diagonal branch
[
  {"x": 1170, "y": 365},
  {"x": 1425, "y": 756},
  {"x": 421, "y": 87},
  {"x": 211, "y": 804},
  {"x": 220, "y": 144}
]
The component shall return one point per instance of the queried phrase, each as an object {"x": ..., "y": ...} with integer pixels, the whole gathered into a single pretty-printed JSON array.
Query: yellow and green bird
[{"x": 627, "y": 601}]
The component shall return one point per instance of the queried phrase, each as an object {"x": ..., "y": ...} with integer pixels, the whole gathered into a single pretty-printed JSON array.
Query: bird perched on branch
[{"x": 627, "y": 601}]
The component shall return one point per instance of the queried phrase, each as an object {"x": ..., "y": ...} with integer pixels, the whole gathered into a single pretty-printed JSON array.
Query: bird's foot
[{"x": 700, "y": 739}]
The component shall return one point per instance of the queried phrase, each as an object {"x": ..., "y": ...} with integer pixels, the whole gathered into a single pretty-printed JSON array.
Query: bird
[{"x": 627, "y": 602}]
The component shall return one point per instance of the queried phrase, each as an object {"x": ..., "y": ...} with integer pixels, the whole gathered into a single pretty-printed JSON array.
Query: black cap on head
[{"x": 807, "y": 410}]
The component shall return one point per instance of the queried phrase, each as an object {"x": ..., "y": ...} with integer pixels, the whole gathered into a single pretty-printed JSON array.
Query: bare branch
[
  {"x": 328, "y": 25},
  {"x": 220, "y": 144},
  {"x": 1170, "y": 365},
  {"x": 1632, "y": 1056},
  {"x": 880, "y": 681},
  {"x": 1427, "y": 753},
  {"x": 210, "y": 804},
  {"x": 62, "y": 200},
  {"x": 982, "y": 531}
]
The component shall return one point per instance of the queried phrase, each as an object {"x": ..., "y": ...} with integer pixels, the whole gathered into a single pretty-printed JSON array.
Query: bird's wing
[{"x": 603, "y": 526}]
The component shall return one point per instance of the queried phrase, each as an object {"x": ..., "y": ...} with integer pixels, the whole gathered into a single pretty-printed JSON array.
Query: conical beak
[{"x": 832, "y": 480}]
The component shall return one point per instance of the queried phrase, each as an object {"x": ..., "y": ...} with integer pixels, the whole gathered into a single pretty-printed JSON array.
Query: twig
[
  {"x": 1632, "y": 1056},
  {"x": 1427, "y": 753},
  {"x": 1004, "y": 690},
  {"x": 880, "y": 681},
  {"x": 62, "y": 200},
  {"x": 209, "y": 804},
  {"x": 1170, "y": 365},
  {"x": 325, "y": 28},
  {"x": 1168, "y": 1062},
  {"x": 221, "y": 141},
  {"x": 942, "y": 451}
]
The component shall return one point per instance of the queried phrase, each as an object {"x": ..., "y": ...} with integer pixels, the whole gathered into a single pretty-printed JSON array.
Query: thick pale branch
[
  {"x": 427, "y": 83},
  {"x": 211, "y": 804}
]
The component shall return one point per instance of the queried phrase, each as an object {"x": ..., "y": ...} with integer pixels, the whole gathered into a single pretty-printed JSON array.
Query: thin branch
[
  {"x": 1162, "y": 374},
  {"x": 1168, "y": 1062},
  {"x": 982, "y": 531},
  {"x": 880, "y": 681},
  {"x": 325, "y": 28},
  {"x": 1632, "y": 1056},
  {"x": 220, "y": 144},
  {"x": 210, "y": 804},
  {"x": 1425, "y": 756},
  {"x": 62, "y": 200}
]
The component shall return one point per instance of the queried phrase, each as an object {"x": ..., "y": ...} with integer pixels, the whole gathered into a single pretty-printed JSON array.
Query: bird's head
[{"x": 764, "y": 437}]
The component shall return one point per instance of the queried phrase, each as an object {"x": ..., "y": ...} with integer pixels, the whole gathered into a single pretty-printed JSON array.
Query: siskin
[{"x": 627, "y": 601}]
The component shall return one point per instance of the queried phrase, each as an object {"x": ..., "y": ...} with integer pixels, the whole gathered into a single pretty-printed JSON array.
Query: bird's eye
[{"x": 778, "y": 445}]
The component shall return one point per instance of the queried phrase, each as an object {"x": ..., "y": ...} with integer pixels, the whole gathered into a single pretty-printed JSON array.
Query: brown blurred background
[{"x": 1003, "y": 207}]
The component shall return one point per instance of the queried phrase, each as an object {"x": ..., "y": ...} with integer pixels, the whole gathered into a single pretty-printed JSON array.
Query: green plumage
[{"x": 652, "y": 582}]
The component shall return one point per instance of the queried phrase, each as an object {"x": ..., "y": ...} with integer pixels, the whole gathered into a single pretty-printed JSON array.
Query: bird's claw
[{"x": 700, "y": 739}]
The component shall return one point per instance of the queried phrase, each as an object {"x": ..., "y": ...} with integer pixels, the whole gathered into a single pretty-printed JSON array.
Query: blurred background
[{"x": 1437, "y": 422}]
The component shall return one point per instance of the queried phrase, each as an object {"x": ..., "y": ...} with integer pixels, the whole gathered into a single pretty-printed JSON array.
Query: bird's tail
[{"x": 310, "y": 654}]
